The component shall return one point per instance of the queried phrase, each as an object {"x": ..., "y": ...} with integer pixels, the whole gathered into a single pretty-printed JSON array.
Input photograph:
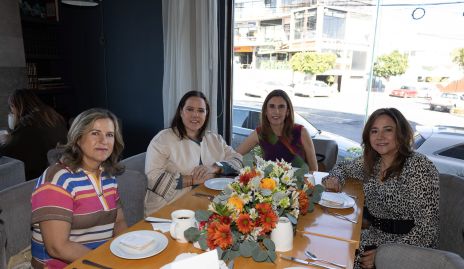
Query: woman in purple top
[{"x": 278, "y": 136}]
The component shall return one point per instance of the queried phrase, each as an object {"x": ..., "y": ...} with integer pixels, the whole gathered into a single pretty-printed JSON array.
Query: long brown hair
[
  {"x": 177, "y": 125},
  {"x": 28, "y": 109},
  {"x": 289, "y": 119},
  {"x": 404, "y": 139},
  {"x": 72, "y": 155}
]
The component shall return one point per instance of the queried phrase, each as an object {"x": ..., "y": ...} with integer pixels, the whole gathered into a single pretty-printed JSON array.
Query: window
[{"x": 456, "y": 152}]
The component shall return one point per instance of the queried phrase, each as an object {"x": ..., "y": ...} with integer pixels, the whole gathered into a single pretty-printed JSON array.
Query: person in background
[
  {"x": 35, "y": 129},
  {"x": 278, "y": 135},
  {"x": 75, "y": 205},
  {"x": 186, "y": 154},
  {"x": 401, "y": 187}
]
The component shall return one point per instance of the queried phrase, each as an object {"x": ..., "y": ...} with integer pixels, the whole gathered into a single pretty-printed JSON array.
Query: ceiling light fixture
[{"x": 82, "y": 3}]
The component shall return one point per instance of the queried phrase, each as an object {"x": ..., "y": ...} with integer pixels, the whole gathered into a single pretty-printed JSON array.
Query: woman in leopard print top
[{"x": 398, "y": 184}]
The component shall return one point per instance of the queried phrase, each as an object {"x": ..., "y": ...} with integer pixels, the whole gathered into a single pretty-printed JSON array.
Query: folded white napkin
[
  {"x": 163, "y": 227},
  {"x": 333, "y": 199},
  {"x": 135, "y": 243},
  {"x": 207, "y": 260}
]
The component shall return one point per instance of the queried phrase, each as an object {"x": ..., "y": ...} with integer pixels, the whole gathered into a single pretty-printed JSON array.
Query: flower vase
[{"x": 282, "y": 235}]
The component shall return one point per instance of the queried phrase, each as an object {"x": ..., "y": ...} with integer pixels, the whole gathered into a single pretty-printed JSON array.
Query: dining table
[{"x": 325, "y": 235}]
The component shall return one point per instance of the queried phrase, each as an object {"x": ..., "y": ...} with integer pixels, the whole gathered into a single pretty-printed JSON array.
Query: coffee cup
[{"x": 181, "y": 220}]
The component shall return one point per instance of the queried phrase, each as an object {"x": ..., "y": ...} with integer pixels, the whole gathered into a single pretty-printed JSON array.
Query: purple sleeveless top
[{"x": 279, "y": 150}]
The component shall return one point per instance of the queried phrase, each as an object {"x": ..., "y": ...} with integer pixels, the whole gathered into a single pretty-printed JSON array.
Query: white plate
[
  {"x": 219, "y": 183},
  {"x": 161, "y": 242},
  {"x": 342, "y": 200}
]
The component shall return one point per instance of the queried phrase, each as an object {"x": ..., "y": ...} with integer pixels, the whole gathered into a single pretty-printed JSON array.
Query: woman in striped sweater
[{"x": 75, "y": 206}]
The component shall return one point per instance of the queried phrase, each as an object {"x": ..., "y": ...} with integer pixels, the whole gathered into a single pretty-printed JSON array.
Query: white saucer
[{"x": 161, "y": 242}]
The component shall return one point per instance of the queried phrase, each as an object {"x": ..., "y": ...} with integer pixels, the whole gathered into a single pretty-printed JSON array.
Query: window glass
[
  {"x": 341, "y": 60},
  {"x": 456, "y": 152}
]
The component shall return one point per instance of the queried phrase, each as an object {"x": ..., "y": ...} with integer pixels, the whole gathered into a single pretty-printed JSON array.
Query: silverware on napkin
[
  {"x": 293, "y": 259},
  {"x": 85, "y": 261}
]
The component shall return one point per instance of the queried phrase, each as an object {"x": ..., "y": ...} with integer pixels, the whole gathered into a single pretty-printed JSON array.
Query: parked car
[
  {"x": 263, "y": 88},
  {"x": 405, "y": 91},
  {"x": 427, "y": 90},
  {"x": 444, "y": 146},
  {"x": 245, "y": 119},
  {"x": 311, "y": 88},
  {"x": 446, "y": 101}
]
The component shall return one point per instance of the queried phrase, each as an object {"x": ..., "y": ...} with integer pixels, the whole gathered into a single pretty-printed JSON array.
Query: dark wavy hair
[
  {"x": 82, "y": 124},
  {"x": 404, "y": 140},
  {"x": 177, "y": 125},
  {"x": 28, "y": 109},
  {"x": 289, "y": 120}
]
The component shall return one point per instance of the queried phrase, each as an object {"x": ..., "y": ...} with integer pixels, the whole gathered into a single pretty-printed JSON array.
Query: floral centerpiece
[{"x": 239, "y": 220}]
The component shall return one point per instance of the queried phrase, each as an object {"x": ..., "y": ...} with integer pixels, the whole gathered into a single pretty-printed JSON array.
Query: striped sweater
[{"x": 61, "y": 194}]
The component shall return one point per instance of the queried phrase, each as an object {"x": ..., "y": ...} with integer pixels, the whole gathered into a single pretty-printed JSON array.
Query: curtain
[{"x": 190, "y": 34}]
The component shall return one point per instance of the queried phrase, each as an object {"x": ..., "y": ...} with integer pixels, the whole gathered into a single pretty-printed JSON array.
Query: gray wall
[
  {"x": 125, "y": 72},
  {"x": 12, "y": 61}
]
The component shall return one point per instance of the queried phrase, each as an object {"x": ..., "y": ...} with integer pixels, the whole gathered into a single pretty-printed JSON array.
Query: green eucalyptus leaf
[
  {"x": 234, "y": 254},
  {"x": 202, "y": 215},
  {"x": 202, "y": 242},
  {"x": 269, "y": 244},
  {"x": 319, "y": 188},
  {"x": 220, "y": 252},
  {"x": 271, "y": 255},
  {"x": 267, "y": 170},
  {"x": 259, "y": 255},
  {"x": 248, "y": 159},
  {"x": 246, "y": 248},
  {"x": 226, "y": 255},
  {"x": 291, "y": 218},
  {"x": 310, "y": 207},
  {"x": 192, "y": 234}
]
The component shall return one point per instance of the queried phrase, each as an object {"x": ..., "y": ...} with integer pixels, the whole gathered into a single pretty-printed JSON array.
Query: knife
[
  {"x": 85, "y": 261},
  {"x": 293, "y": 259}
]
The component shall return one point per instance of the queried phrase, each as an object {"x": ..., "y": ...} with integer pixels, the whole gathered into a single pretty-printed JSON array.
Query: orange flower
[
  {"x": 268, "y": 221},
  {"x": 263, "y": 208},
  {"x": 246, "y": 177},
  {"x": 236, "y": 202},
  {"x": 219, "y": 235},
  {"x": 268, "y": 184},
  {"x": 245, "y": 223},
  {"x": 303, "y": 201}
]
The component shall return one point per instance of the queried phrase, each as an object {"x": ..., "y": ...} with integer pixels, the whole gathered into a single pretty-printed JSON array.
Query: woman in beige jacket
[{"x": 185, "y": 154}]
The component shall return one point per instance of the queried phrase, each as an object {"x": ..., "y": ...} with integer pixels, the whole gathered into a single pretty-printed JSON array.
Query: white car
[
  {"x": 446, "y": 101},
  {"x": 263, "y": 88},
  {"x": 311, "y": 88},
  {"x": 444, "y": 146}
]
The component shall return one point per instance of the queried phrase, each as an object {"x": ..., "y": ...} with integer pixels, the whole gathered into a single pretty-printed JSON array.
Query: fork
[
  {"x": 313, "y": 257},
  {"x": 340, "y": 216}
]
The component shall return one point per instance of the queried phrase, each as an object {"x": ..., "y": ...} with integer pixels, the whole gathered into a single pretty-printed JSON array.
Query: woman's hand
[
  {"x": 332, "y": 184},
  {"x": 203, "y": 172},
  {"x": 368, "y": 259}
]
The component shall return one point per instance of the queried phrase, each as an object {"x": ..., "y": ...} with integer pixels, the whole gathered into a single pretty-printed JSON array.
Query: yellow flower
[
  {"x": 268, "y": 184},
  {"x": 236, "y": 202}
]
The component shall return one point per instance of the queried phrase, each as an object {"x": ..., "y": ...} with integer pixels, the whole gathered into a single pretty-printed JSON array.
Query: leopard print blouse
[{"x": 413, "y": 195}]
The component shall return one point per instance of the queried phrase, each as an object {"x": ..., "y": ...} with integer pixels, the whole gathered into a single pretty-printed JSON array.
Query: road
[{"x": 343, "y": 113}]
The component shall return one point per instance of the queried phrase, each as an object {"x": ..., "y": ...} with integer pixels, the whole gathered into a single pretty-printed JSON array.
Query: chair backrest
[
  {"x": 132, "y": 186},
  {"x": 327, "y": 148},
  {"x": 136, "y": 162},
  {"x": 451, "y": 214},
  {"x": 53, "y": 155},
  {"x": 394, "y": 256},
  {"x": 16, "y": 207},
  {"x": 11, "y": 172}
]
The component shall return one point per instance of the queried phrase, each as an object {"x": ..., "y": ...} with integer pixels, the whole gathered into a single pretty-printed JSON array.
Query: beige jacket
[{"x": 169, "y": 157}]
